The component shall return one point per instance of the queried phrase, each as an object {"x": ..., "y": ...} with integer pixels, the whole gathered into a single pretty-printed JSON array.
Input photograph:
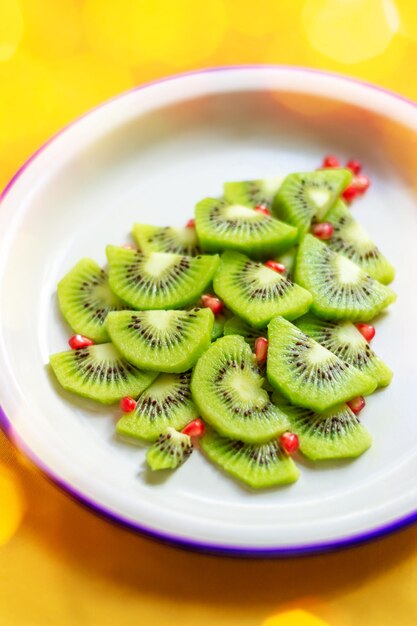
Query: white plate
[{"x": 149, "y": 155}]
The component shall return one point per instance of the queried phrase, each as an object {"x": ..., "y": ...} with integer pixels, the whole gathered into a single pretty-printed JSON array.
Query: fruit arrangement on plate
[{"x": 244, "y": 333}]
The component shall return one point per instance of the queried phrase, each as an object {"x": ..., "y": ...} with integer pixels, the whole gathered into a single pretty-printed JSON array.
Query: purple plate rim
[{"x": 166, "y": 538}]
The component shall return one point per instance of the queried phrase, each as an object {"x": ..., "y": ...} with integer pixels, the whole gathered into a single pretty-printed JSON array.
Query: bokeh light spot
[
  {"x": 11, "y": 505},
  {"x": 296, "y": 617},
  {"x": 11, "y": 28},
  {"x": 350, "y": 31}
]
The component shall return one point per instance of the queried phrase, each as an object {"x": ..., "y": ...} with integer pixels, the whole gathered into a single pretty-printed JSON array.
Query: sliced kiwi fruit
[
  {"x": 351, "y": 239},
  {"x": 307, "y": 373},
  {"x": 85, "y": 298},
  {"x": 162, "y": 341},
  {"x": 256, "y": 293},
  {"x": 340, "y": 288},
  {"x": 333, "y": 434},
  {"x": 170, "y": 450},
  {"x": 99, "y": 372},
  {"x": 253, "y": 192},
  {"x": 257, "y": 465},
  {"x": 346, "y": 342},
  {"x": 219, "y": 324},
  {"x": 236, "y": 326},
  {"x": 304, "y": 198},
  {"x": 222, "y": 226},
  {"x": 166, "y": 402},
  {"x": 288, "y": 259},
  {"x": 227, "y": 389},
  {"x": 159, "y": 280},
  {"x": 166, "y": 239}
]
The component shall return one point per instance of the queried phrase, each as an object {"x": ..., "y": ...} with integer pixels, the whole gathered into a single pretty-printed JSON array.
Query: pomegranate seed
[
  {"x": 354, "y": 166},
  {"x": 79, "y": 341},
  {"x": 350, "y": 193},
  {"x": 212, "y": 303},
  {"x": 289, "y": 442},
  {"x": 190, "y": 223},
  {"x": 323, "y": 231},
  {"x": 127, "y": 404},
  {"x": 128, "y": 246},
  {"x": 194, "y": 429},
  {"x": 261, "y": 350},
  {"x": 367, "y": 331},
  {"x": 361, "y": 183},
  {"x": 331, "y": 161},
  {"x": 356, "y": 405},
  {"x": 262, "y": 208},
  {"x": 276, "y": 266}
]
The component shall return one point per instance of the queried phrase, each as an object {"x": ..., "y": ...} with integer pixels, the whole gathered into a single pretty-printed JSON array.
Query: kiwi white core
[
  {"x": 160, "y": 320},
  {"x": 158, "y": 262},
  {"x": 353, "y": 231},
  {"x": 272, "y": 184},
  {"x": 320, "y": 197},
  {"x": 349, "y": 334},
  {"x": 348, "y": 272},
  {"x": 318, "y": 354},
  {"x": 237, "y": 210},
  {"x": 247, "y": 387},
  {"x": 266, "y": 276},
  {"x": 105, "y": 295},
  {"x": 104, "y": 352}
]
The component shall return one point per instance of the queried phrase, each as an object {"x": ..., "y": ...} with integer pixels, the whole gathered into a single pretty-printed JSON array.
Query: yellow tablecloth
[{"x": 59, "y": 564}]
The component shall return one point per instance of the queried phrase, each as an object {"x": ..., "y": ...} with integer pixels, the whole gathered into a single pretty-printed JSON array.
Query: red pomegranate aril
[
  {"x": 194, "y": 428},
  {"x": 262, "y": 208},
  {"x": 350, "y": 193},
  {"x": 289, "y": 442},
  {"x": 276, "y": 266},
  {"x": 127, "y": 404},
  {"x": 79, "y": 341},
  {"x": 367, "y": 331},
  {"x": 331, "y": 161},
  {"x": 356, "y": 405},
  {"x": 354, "y": 166},
  {"x": 212, "y": 303},
  {"x": 261, "y": 350},
  {"x": 323, "y": 231},
  {"x": 190, "y": 223},
  {"x": 361, "y": 183}
]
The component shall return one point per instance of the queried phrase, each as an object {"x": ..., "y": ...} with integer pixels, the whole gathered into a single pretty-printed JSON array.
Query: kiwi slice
[
  {"x": 340, "y": 288},
  {"x": 170, "y": 450},
  {"x": 219, "y": 324},
  {"x": 306, "y": 197},
  {"x": 333, "y": 434},
  {"x": 346, "y": 342},
  {"x": 162, "y": 341},
  {"x": 350, "y": 239},
  {"x": 222, "y": 226},
  {"x": 307, "y": 373},
  {"x": 253, "y": 192},
  {"x": 257, "y": 465},
  {"x": 256, "y": 293},
  {"x": 166, "y": 239},
  {"x": 99, "y": 372},
  {"x": 236, "y": 326},
  {"x": 159, "y": 280},
  {"x": 85, "y": 298},
  {"x": 166, "y": 402},
  {"x": 227, "y": 389},
  {"x": 288, "y": 260}
]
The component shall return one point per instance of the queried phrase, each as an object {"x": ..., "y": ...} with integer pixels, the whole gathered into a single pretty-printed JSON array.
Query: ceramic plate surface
[{"x": 150, "y": 155}]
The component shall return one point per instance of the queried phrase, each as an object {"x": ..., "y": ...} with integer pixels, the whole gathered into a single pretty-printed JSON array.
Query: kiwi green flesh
[
  {"x": 227, "y": 388},
  {"x": 257, "y": 465},
  {"x": 219, "y": 324},
  {"x": 162, "y": 341},
  {"x": 159, "y": 280},
  {"x": 307, "y": 373},
  {"x": 169, "y": 451},
  {"x": 166, "y": 239},
  {"x": 256, "y": 293},
  {"x": 340, "y": 288},
  {"x": 346, "y": 342},
  {"x": 85, "y": 298},
  {"x": 333, "y": 434},
  {"x": 99, "y": 372},
  {"x": 351, "y": 239},
  {"x": 253, "y": 192},
  {"x": 236, "y": 326},
  {"x": 288, "y": 259},
  {"x": 304, "y": 198},
  {"x": 221, "y": 225},
  {"x": 166, "y": 402}
]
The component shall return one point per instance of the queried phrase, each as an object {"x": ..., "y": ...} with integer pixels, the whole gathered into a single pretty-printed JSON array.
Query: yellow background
[{"x": 60, "y": 565}]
